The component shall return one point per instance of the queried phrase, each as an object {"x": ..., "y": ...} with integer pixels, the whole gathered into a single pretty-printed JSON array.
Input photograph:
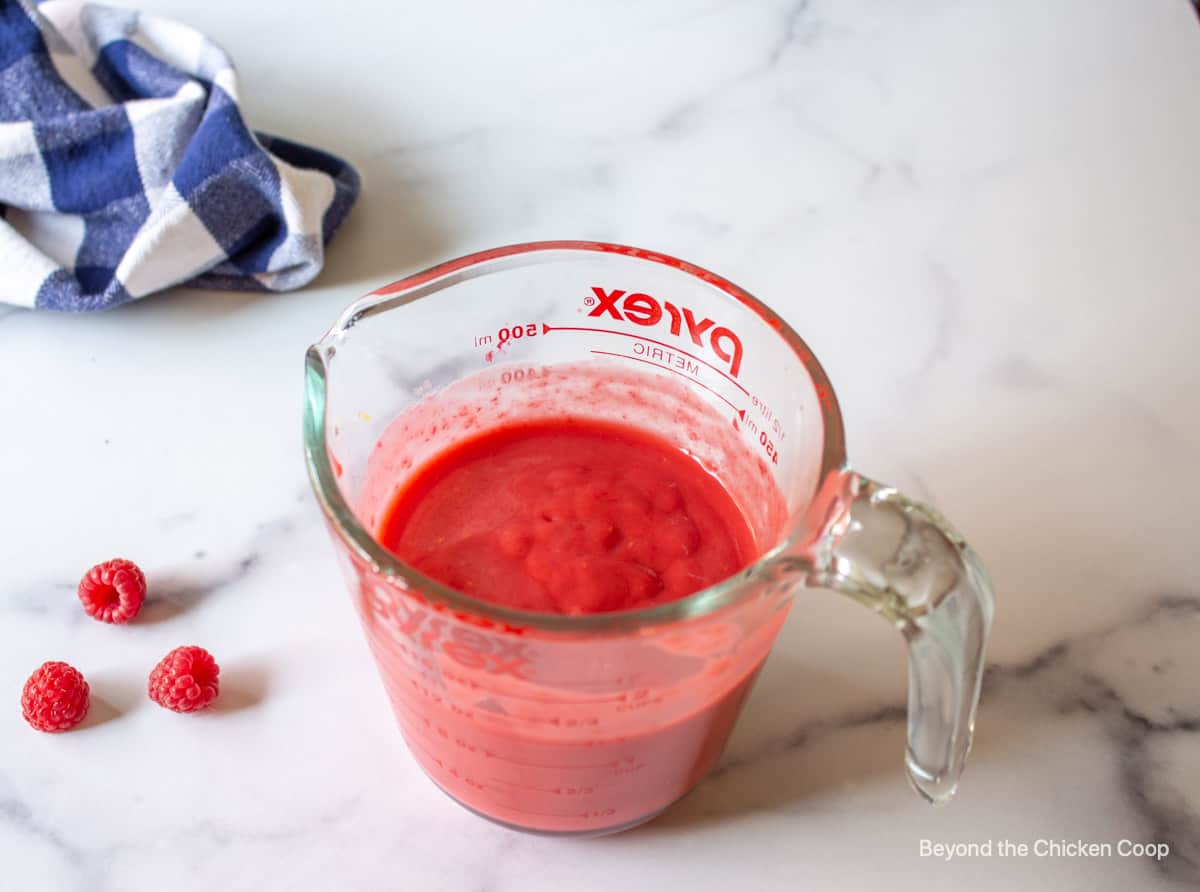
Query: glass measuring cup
[{"x": 584, "y": 725}]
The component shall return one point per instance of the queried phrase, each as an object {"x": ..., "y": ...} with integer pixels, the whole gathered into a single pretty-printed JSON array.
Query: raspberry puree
[
  {"x": 568, "y": 516},
  {"x": 491, "y": 487}
]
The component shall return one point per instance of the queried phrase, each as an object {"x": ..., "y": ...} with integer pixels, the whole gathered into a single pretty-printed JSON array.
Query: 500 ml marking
[{"x": 509, "y": 333}]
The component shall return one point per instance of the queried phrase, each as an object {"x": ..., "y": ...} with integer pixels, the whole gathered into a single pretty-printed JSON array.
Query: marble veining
[
  {"x": 1075, "y": 675},
  {"x": 981, "y": 217}
]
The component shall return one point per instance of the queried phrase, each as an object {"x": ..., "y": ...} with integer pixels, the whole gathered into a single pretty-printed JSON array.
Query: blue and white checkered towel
[{"x": 126, "y": 166}]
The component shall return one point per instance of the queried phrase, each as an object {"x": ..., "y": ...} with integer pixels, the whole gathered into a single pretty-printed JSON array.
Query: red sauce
[
  {"x": 568, "y": 517},
  {"x": 564, "y": 733}
]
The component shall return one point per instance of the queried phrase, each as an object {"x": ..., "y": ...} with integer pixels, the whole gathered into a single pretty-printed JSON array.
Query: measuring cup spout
[{"x": 904, "y": 560}]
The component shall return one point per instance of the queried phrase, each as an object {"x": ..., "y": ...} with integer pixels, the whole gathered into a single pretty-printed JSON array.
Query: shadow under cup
[{"x": 584, "y": 725}]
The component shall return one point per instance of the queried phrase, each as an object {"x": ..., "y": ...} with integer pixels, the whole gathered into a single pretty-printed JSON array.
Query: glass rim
[{"x": 363, "y": 544}]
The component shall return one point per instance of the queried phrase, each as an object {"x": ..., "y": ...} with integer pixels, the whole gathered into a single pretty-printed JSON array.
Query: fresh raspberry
[
  {"x": 185, "y": 680},
  {"x": 113, "y": 592},
  {"x": 55, "y": 698}
]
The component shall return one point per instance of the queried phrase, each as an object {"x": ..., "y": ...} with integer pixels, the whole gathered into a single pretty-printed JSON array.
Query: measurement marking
[
  {"x": 546, "y": 701},
  {"x": 669, "y": 369},
  {"x": 596, "y": 687},
  {"x": 428, "y": 753},
  {"x": 555, "y": 791},
  {"x": 410, "y": 726},
  {"x": 430, "y": 677},
  {"x": 411, "y": 709},
  {"x": 546, "y": 328},
  {"x": 586, "y": 766},
  {"x": 542, "y": 701},
  {"x": 544, "y": 814},
  {"x": 446, "y": 745},
  {"x": 427, "y": 736},
  {"x": 508, "y": 783},
  {"x": 414, "y": 723},
  {"x": 431, "y": 736}
]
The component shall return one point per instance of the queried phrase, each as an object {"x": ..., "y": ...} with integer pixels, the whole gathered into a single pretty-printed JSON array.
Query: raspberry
[
  {"x": 55, "y": 698},
  {"x": 113, "y": 592},
  {"x": 185, "y": 680}
]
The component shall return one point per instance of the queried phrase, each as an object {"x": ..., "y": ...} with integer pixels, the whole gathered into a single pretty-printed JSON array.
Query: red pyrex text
[{"x": 642, "y": 309}]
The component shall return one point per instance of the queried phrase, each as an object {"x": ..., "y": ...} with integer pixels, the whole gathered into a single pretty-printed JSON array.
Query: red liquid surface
[{"x": 568, "y": 517}]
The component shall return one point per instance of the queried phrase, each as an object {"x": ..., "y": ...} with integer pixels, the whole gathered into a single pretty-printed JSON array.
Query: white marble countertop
[{"x": 984, "y": 218}]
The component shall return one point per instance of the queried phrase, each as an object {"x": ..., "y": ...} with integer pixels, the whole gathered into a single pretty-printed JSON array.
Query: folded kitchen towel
[{"x": 126, "y": 166}]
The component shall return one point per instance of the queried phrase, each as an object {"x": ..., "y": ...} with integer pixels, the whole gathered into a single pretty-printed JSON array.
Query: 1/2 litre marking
[{"x": 768, "y": 415}]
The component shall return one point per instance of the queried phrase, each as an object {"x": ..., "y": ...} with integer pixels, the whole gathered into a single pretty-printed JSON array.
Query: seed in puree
[{"x": 568, "y": 516}]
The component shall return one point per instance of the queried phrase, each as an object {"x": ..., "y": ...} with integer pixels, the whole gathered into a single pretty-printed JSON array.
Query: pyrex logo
[{"x": 642, "y": 309}]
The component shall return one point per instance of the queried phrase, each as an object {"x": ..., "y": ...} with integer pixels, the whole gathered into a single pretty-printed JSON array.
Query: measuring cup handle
[{"x": 904, "y": 560}]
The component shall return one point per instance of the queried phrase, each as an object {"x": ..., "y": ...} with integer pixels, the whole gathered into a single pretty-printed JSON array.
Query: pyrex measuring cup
[{"x": 592, "y": 724}]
